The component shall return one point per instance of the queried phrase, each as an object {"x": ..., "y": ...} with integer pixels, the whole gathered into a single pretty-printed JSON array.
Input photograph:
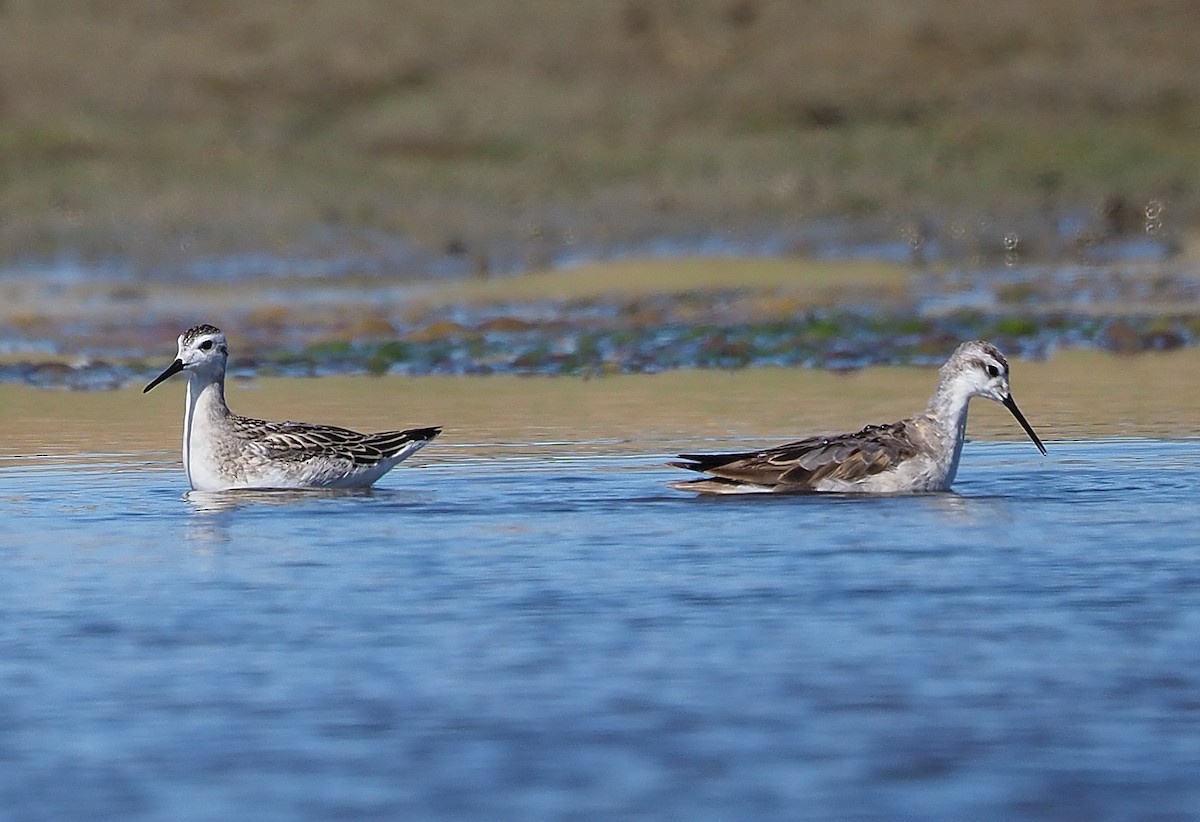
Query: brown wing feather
[
  {"x": 803, "y": 464},
  {"x": 297, "y": 441}
]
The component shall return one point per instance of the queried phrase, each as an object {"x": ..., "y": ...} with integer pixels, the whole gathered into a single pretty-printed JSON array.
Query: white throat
[{"x": 204, "y": 403}]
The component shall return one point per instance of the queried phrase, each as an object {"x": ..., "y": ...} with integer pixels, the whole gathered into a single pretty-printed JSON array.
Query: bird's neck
[
  {"x": 205, "y": 406},
  {"x": 948, "y": 412},
  {"x": 948, "y": 406}
]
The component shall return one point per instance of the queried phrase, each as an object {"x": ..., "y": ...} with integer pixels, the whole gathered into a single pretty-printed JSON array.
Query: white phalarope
[
  {"x": 914, "y": 455},
  {"x": 223, "y": 451}
]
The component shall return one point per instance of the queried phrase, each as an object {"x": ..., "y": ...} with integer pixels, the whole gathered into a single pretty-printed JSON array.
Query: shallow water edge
[{"x": 1075, "y": 394}]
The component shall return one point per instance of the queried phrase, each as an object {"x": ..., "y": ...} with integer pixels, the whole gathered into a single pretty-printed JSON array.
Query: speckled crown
[{"x": 192, "y": 333}]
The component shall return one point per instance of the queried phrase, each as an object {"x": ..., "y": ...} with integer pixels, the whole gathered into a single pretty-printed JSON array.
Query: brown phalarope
[
  {"x": 914, "y": 455},
  {"x": 223, "y": 451}
]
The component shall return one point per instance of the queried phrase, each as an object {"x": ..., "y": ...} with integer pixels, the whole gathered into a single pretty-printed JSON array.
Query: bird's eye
[
  {"x": 992, "y": 371},
  {"x": 207, "y": 344}
]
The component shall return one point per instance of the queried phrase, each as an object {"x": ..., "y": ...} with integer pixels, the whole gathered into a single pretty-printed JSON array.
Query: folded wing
[
  {"x": 803, "y": 465},
  {"x": 293, "y": 441}
]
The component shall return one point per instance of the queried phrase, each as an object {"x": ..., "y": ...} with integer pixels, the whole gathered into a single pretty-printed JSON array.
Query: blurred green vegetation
[{"x": 160, "y": 128}]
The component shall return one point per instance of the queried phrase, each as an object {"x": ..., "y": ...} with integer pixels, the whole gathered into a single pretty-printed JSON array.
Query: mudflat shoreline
[{"x": 1073, "y": 395}]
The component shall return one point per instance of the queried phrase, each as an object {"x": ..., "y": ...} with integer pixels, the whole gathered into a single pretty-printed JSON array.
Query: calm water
[{"x": 563, "y": 637}]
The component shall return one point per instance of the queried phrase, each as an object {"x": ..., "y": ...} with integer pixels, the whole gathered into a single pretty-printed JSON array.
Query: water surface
[{"x": 548, "y": 632}]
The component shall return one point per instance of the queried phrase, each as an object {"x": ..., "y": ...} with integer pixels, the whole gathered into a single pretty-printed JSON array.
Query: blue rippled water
[{"x": 551, "y": 638}]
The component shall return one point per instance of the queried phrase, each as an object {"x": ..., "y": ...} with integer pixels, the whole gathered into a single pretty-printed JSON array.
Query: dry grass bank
[
  {"x": 812, "y": 282},
  {"x": 157, "y": 130}
]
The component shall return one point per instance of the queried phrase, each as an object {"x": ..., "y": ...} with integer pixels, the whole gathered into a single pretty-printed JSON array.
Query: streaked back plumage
[
  {"x": 223, "y": 450},
  {"x": 916, "y": 454}
]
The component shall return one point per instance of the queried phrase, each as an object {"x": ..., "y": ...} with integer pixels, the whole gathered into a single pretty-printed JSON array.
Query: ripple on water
[{"x": 550, "y": 634}]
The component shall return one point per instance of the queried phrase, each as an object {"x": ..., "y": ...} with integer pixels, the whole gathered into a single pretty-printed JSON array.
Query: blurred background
[
  {"x": 199, "y": 141},
  {"x": 523, "y": 622}
]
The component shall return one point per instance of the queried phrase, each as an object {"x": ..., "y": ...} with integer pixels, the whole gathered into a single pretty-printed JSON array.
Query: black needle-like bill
[
  {"x": 1011, "y": 405},
  {"x": 171, "y": 370}
]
